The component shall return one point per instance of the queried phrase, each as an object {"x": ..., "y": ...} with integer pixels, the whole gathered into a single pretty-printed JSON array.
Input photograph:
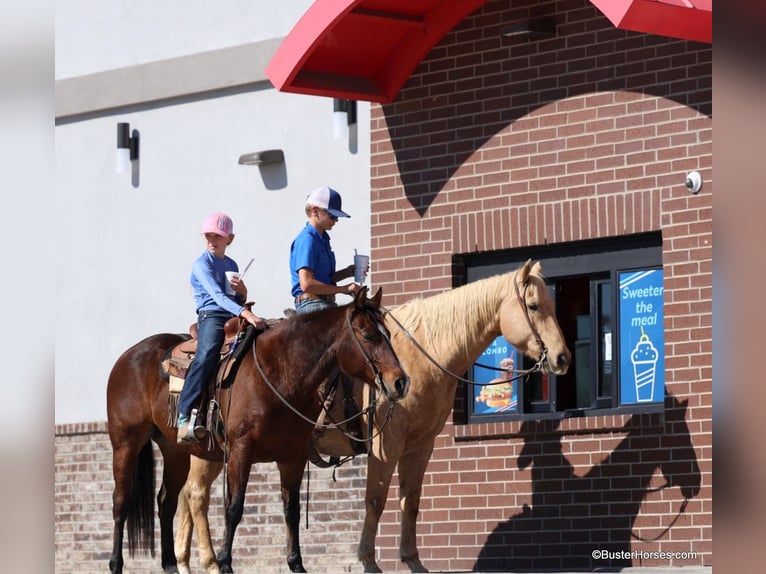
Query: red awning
[
  {"x": 684, "y": 19},
  {"x": 362, "y": 49},
  {"x": 367, "y": 49}
]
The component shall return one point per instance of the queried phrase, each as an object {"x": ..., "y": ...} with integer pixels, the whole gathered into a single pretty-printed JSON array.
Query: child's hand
[
  {"x": 253, "y": 319},
  {"x": 239, "y": 286}
]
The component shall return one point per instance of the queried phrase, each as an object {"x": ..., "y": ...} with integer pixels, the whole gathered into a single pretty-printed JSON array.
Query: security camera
[{"x": 693, "y": 182}]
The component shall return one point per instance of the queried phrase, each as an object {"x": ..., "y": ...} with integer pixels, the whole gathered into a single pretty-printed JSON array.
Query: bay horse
[
  {"x": 297, "y": 355},
  {"x": 453, "y": 328}
]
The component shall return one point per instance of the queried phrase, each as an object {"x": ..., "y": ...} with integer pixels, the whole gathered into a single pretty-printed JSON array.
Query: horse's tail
[{"x": 140, "y": 521}]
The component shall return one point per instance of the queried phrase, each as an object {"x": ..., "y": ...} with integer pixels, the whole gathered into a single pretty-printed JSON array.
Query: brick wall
[
  {"x": 492, "y": 145},
  {"x": 83, "y": 513}
]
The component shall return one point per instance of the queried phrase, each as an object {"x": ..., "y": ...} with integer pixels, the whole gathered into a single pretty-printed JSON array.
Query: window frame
[{"x": 601, "y": 261}]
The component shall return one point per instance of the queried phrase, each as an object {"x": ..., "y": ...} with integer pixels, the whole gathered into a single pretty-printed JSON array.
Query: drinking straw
[{"x": 241, "y": 275}]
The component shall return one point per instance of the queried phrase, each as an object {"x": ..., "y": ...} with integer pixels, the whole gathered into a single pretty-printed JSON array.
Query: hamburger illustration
[{"x": 496, "y": 394}]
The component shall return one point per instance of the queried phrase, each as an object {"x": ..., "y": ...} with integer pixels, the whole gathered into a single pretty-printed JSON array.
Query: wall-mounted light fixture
[
  {"x": 271, "y": 166},
  {"x": 536, "y": 29},
  {"x": 264, "y": 157},
  {"x": 127, "y": 147},
  {"x": 343, "y": 117}
]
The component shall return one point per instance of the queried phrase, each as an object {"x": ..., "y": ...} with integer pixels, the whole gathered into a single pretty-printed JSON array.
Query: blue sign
[
  {"x": 495, "y": 398},
  {"x": 642, "y": 337}
]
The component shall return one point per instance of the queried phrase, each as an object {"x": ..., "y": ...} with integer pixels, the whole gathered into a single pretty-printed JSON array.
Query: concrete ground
[{"x": 629, "y": 570}]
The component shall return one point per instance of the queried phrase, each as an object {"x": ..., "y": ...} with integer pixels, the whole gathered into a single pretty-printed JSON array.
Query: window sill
[{"x": 569, "y": 423}]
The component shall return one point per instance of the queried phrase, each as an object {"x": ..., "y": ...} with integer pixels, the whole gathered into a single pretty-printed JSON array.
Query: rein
[
  {"x": 370, "y": 363},
  {"x": 669, "y": 526},
  {"x": 519, "y": 372},
  {"x": 369, "y": 410}
]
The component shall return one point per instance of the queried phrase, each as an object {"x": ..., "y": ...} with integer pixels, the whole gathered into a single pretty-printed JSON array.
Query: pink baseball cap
[{"x": 218, "y": 223}]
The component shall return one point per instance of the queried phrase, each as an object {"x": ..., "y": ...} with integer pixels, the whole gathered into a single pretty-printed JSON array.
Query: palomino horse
[
  {"x": 297, "y": 355},
  {"x": 453, "y": 328}
]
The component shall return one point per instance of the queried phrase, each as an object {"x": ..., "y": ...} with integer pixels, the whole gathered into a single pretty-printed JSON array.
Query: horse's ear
[
  {"x": 360, "y": 297},
  {"x": 537, "y": 268},
  {"x": 524, "y": 272},
  {"x": 377, "y": 297}
]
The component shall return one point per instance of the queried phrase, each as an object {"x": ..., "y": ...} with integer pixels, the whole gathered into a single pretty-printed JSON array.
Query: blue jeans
[
  {"x": 210, "y": 337},
  {"x": 309, "y": 305}
]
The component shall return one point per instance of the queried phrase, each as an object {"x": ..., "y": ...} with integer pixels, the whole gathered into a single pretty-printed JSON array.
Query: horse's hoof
[
  {"x": 372, "y": 567},
  {"x": 415, "y": 564},
  {"x": 226, "y": 569},
  {"x": 295, "y": 562}
]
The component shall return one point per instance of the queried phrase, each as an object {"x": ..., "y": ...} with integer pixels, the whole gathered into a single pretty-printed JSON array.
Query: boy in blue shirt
[
  {"x": 215, "y": 305},
  {"x": 312, "y": 260}
]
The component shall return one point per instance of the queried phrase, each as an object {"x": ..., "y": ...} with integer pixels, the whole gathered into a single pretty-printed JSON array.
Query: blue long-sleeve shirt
[{"x": 208, "y": 281}]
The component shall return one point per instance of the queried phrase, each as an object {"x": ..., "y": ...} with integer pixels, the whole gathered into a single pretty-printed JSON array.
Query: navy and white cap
[{"x": 327, "y": 198}]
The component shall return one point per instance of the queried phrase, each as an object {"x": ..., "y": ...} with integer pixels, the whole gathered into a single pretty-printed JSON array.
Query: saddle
[
  {"x": 175, "y": 364},
  {"x": 238, "y": 336}
]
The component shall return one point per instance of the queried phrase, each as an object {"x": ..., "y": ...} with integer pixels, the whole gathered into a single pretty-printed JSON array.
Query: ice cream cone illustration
[{"x": 644, "y": 358}]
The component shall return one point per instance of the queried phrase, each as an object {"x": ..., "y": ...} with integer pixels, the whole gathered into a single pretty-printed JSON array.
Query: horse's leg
[
  {"x": 237, "y": 474},
  {"x": 132, "y": 468},
  {"x": 412, "y": 468},
  {"x": 195, "y": 497},
  {"x": 291, "y": 474},
  {"x": 184, "y": 533},
  {"x": 174, "y": 471},
  {"x": 124, "y": 460},
  {"x": 379, "y": 474}
]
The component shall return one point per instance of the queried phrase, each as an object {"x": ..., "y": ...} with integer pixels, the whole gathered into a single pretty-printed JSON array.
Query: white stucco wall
[
  {"x": 97, "y": 35},
  {"x": 124, "y": 254}
]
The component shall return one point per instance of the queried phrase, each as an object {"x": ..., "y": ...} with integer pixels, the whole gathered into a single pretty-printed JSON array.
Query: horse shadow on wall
[
  {"x": 445, "y": 114},
  {"x": 572, "y": 516}
]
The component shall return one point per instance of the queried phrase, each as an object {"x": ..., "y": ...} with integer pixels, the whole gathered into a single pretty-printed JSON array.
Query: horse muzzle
[
  {"x": 398, "y": 390},
  {"x": 558, "y": 365}
]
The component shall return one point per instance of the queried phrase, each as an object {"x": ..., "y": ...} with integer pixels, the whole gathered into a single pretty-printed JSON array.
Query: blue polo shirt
[
  {"x": 208, "y": 280},
  {"x": 311, "y": 250}
]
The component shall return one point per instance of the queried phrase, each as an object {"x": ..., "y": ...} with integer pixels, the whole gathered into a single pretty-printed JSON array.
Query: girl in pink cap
[{"x": 215, "y": 305}]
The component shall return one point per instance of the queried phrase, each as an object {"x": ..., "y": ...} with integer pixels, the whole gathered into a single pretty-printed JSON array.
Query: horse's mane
[
  {"x": 455, "y": 317},
  {"x": 300, "y": 321}
]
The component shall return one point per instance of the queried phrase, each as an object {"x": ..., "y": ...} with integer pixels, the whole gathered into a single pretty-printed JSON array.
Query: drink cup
[
  {"x": 361, "y": 264},
  {"x": 229, "y": 276}
]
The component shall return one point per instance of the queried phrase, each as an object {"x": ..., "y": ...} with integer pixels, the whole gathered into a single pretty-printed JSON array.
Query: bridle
[
  {"x": 378, "y": 378},
  {"x": 371, "y": 363},
  {"x": 518, "y": 373},
  {"x": 521, "y": 298}
]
